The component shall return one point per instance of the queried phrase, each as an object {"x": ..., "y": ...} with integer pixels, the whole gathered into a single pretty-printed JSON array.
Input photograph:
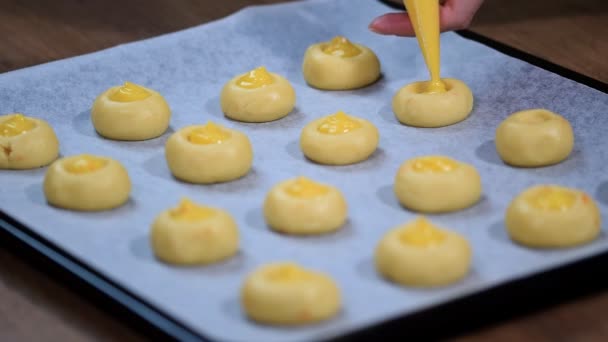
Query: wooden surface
[
  {"x": 571, "y": 33},
  {"x": 33, "y": 306}
]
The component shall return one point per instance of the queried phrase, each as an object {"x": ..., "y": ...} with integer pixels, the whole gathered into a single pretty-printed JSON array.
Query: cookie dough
[
  {"x": 257, "y": 96},
  {"x": 26, "y": 142},
  {"x": 340, "y": 65},
  {"x": 208, "y": 153},
  {"x": 339, "y": 139},
  {"x": 285, "y": 293},
  {"x": 87, "y": 182},
  {"x": 420, "y": 254},
  {"x": 302, "y": 206},
  {"x": 552, "y": 216},
  {"x": 435, "y": 184},
  {"x": 535, "y": 137},
  {"x": 130, "y": 112},
  {"x": 192, "y": 234},
  {"x": 416, "y": 105}
]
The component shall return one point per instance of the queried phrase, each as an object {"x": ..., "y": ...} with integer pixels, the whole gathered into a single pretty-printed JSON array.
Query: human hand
[{"x": 454, "y": 15}]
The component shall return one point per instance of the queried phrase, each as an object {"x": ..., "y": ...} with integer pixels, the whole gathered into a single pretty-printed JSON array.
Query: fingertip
[
  {"x": 392, "y": 24},
  {"x": 374, "y": 27},
  {"x": 377, "y": 25},
  {"x": 371, "y": 28}
]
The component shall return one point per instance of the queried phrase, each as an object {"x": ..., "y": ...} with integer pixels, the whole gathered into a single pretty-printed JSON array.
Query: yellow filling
[
  {"x": 422, "y": 233},
  {"x": 130, "y": 92},
  {"x": 210, "y": 133},
  {"x": 553, "y": 199},
  {"x": 85, "y": 164},
  {"x": 17, "y": 124},
  {"x": 256, "y": 78},
  {"x": 338, "y": 123},
  {"x": 190, "y": 211},
  {"x": 306, "y": 188},
  {"x": 434, "y": 164},
  {"x": 287, "y": 272},
  {"x": 341, "y": 47},
  {"x": 437, "y": 86}
]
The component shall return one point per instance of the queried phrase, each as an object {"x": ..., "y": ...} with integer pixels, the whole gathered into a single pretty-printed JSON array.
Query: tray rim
[{"x": 153, "y": 322}]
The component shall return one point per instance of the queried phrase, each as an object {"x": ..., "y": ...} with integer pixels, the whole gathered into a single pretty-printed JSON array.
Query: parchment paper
[{"x": 189, "y": 69}]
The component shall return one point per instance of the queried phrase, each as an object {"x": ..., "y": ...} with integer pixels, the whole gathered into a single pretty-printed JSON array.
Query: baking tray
[{"x": 189, "y": 66}]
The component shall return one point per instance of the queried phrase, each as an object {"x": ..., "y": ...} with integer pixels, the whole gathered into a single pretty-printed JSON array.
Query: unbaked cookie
[
  {"x": 26, "y": 142},
  {"x": 208, "y": 153},
  {"x": 340, "y": 65},
  {"x": 339, "y": 139},
  {"x": 285, "y": 293},
  {"x": 130, "y": 112},
  {"x": 192, "y": 234},
  {"x": 553, "y": 216},
  {"x": 535, "y": 137},
  {"x": 257, "y": 96},
  {"x": 414, "y": 105},
  {"x": 302, "y": 206},
  {"x": 421, "y": 254},
  {"x": 87, "y": 182},
  {"x": 437, "y": 184}
]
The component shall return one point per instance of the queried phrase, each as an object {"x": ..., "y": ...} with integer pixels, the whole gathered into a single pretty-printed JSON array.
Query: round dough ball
[
  {"x": 339, "y": 139},
  {"x": 303, "y": 207},
  {"x": 435, "y": 184},
  {"x": 130, "y": 112},
  {"x": 535, "y": 137},
  {"x": 208, "y": 153},
  {"x": 414, "y": 106},
  {"x": 287, "y": 294},
  {"x": 191, "y": 234},
  {"x": 421, "y": 254},
  {"x": 257, "y": 96},
  {"x": 87, "y": 182},
  {"x": 551, "y": 216},
  {"x": 340, "y": 65},
  {"x": 26, "y": 142}
]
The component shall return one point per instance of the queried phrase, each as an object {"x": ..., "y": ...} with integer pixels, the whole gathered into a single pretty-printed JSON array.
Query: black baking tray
[{"x": 447, "y": 320}]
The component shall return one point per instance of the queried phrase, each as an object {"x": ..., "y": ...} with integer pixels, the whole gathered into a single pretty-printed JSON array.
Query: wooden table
[{"x": 33, "y": 306}]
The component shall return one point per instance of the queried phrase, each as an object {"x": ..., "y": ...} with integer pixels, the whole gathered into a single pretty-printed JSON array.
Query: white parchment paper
[{"x": 189, "y": 69}]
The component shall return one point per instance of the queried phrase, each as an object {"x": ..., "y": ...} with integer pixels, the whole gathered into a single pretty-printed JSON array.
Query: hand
[{"x": 454, "y": 15}]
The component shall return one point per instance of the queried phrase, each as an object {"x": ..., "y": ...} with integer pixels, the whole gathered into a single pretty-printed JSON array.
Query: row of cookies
[
  {"x": 528, "y": 138},
  {"x": 213, "y": 153}
]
